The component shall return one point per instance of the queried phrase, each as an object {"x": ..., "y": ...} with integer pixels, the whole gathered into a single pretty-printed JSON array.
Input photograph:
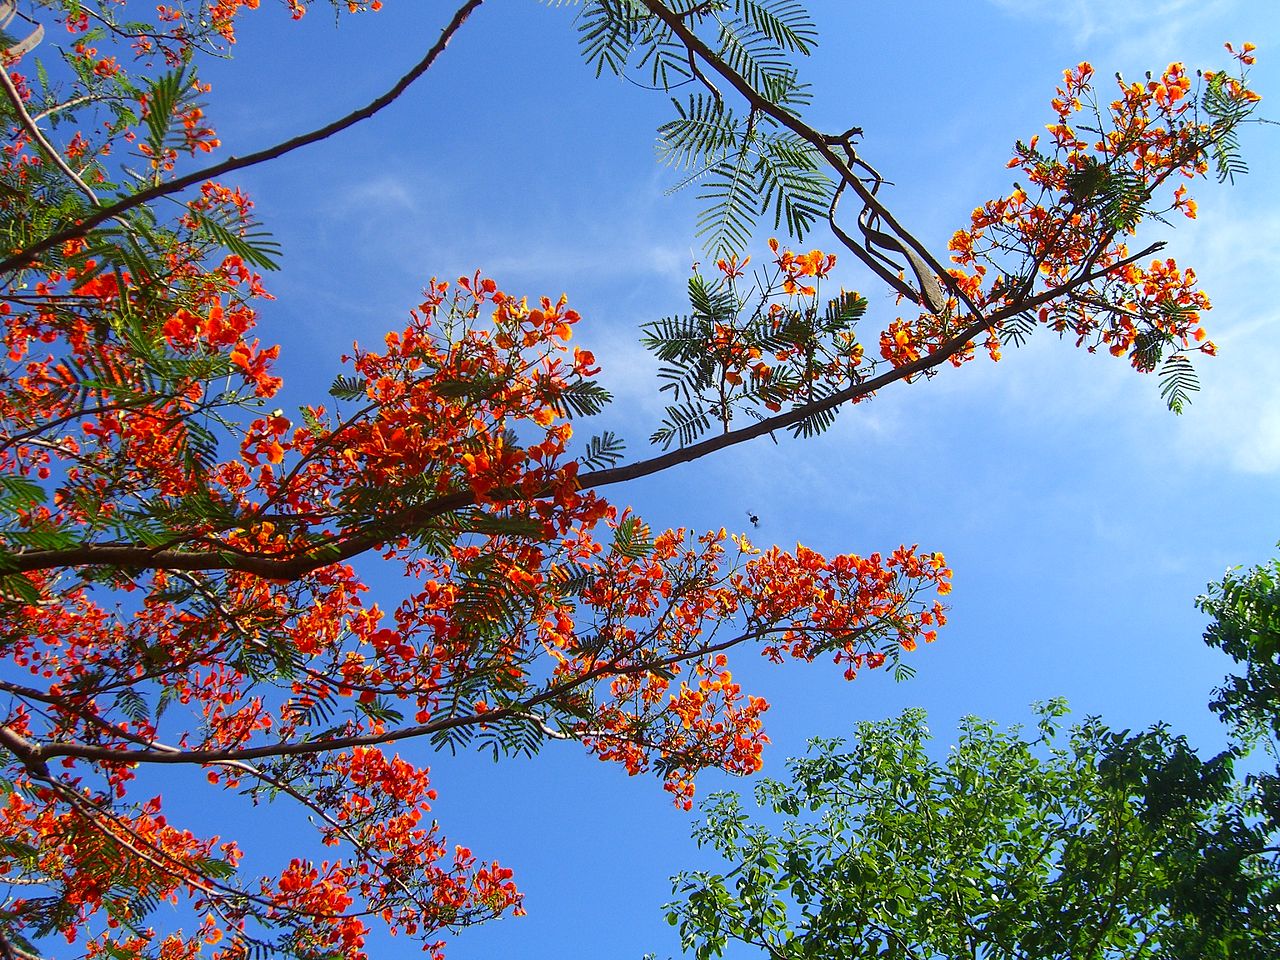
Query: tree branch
[
  {"x": 29, "y": 754},
  {"x": 27, "y": 255},
  {"x": 820, "y": 142},
  {"x": 520, "y": 710},
  {"x": 48, "y": 149},
  {"x": 342, "y": 550}
]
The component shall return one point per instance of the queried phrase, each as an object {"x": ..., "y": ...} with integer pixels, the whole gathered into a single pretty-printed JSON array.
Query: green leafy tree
[
  {"x": 1107, "y": 845},
  {"x": 1090, "y": 845},
  {"x": 1246, "y": 626}
]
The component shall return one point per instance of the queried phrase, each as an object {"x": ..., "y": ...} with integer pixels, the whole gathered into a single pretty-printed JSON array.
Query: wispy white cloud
[
  {"x": 595, "y": 256},
  {"x": 628, "y": 371},
  {"x": 1128, "y": 26},
  {"x": 378, "y": 195},
  {"x": 1236, "y": 417},
  {"x": 398, "y": 218}
]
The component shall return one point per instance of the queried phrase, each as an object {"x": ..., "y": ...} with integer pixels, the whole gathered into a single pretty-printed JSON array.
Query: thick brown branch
[
  {"x": 945, "y": 352},
  {"x": 269, "y": 567},
  {"x": 338, "y": 551},
  {"x": 24, "y": 257},
  {"x": 10, "y": 951},
  {"x": 30, "y": 754}
]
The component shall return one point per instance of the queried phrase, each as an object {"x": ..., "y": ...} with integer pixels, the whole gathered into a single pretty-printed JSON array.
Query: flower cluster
[
  {"x": 1056, "y": 250},
  {"x": 781, "y": 344}
]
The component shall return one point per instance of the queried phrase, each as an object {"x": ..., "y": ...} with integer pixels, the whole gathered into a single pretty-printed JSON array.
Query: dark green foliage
[
  {"x": 1118, "y": 193},
  {"x": 632, "y": 538},
  {"x": 602, "y": 451},
  {"x": 255, "y": 247},
  {"x": 582, "y": 398},
  {"x": 19, "y": 494},
  {"x": 609, "y": 31},
  {"x": 702, "y": 131},
  {"x": 166, "y": 94},
  {"x": 131, "y": 703},
  {"x": 16, "y": 587},
  {"x": 348, "y": 388},
  {"x": 1226, "y": 114},
  {"x": 310, "y": 708},
  {"x": 729, "y": 195},
  {"x": 786, "y": 22},
  {"x": 1110, "y": 845},
  {"x": 818, "y": 421},
  {"x": 1178, "y": 381},
  {"x": 683, "y": 425}
]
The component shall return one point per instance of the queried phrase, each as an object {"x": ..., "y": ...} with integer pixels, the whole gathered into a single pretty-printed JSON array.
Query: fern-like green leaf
[
  {"x": 502, "y": 525},
  {"x": 732, "y": 197},
  {"x": 704, "y": 130},
  {"x": 583, "y": 398},
  {"x": 163, "y": 96},
  {"x": 632, "y": 539},
  {"x": 16, "y": 586},
  {"x": 348, "y": 388},
  {"x": 758, "y": 61},
  {"x": 1228, "y": 112},
  {"x": 683, "y": 425},
  {"x": 602, "y": 451},
  {"x": 131, "y": 703},
  {"x": 19, "y": 493},
  {"x": 607, "y": 33},
  {"x": 1178, "y": 381},
  {"x": 786, "y": 22},
  {"x": 792, "y": 183},
  {"x": 843, "y": 311},
  {"x": 256, "y": 247}
]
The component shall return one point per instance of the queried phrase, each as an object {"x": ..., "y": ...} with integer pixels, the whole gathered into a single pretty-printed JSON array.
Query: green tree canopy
[
  {"x": 1245, "y": 608},
  {"x": 1099, "y": 844},
  {"x": 1027, "y": 845}
]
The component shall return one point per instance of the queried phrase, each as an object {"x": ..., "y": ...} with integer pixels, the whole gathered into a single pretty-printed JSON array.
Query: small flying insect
[{"x": 755, "y": 520}]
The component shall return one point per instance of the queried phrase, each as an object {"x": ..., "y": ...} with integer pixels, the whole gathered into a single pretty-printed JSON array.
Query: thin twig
[
  {"x": 820, "y": 142},
  {"x": 520, "y": 710},
  {"x": 25, "y": 256},
  {"x": 33, "y": 131}
]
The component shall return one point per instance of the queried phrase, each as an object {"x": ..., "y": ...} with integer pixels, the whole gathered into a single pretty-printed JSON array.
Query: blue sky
[{"x": 1081, "y": 518}]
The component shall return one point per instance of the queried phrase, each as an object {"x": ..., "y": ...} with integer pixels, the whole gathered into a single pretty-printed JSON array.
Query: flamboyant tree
[{"x": 178, "y": 581}]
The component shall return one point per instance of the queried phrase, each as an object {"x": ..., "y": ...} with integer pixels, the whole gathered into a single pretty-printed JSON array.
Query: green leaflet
[{"x": 745, "y": 167}]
